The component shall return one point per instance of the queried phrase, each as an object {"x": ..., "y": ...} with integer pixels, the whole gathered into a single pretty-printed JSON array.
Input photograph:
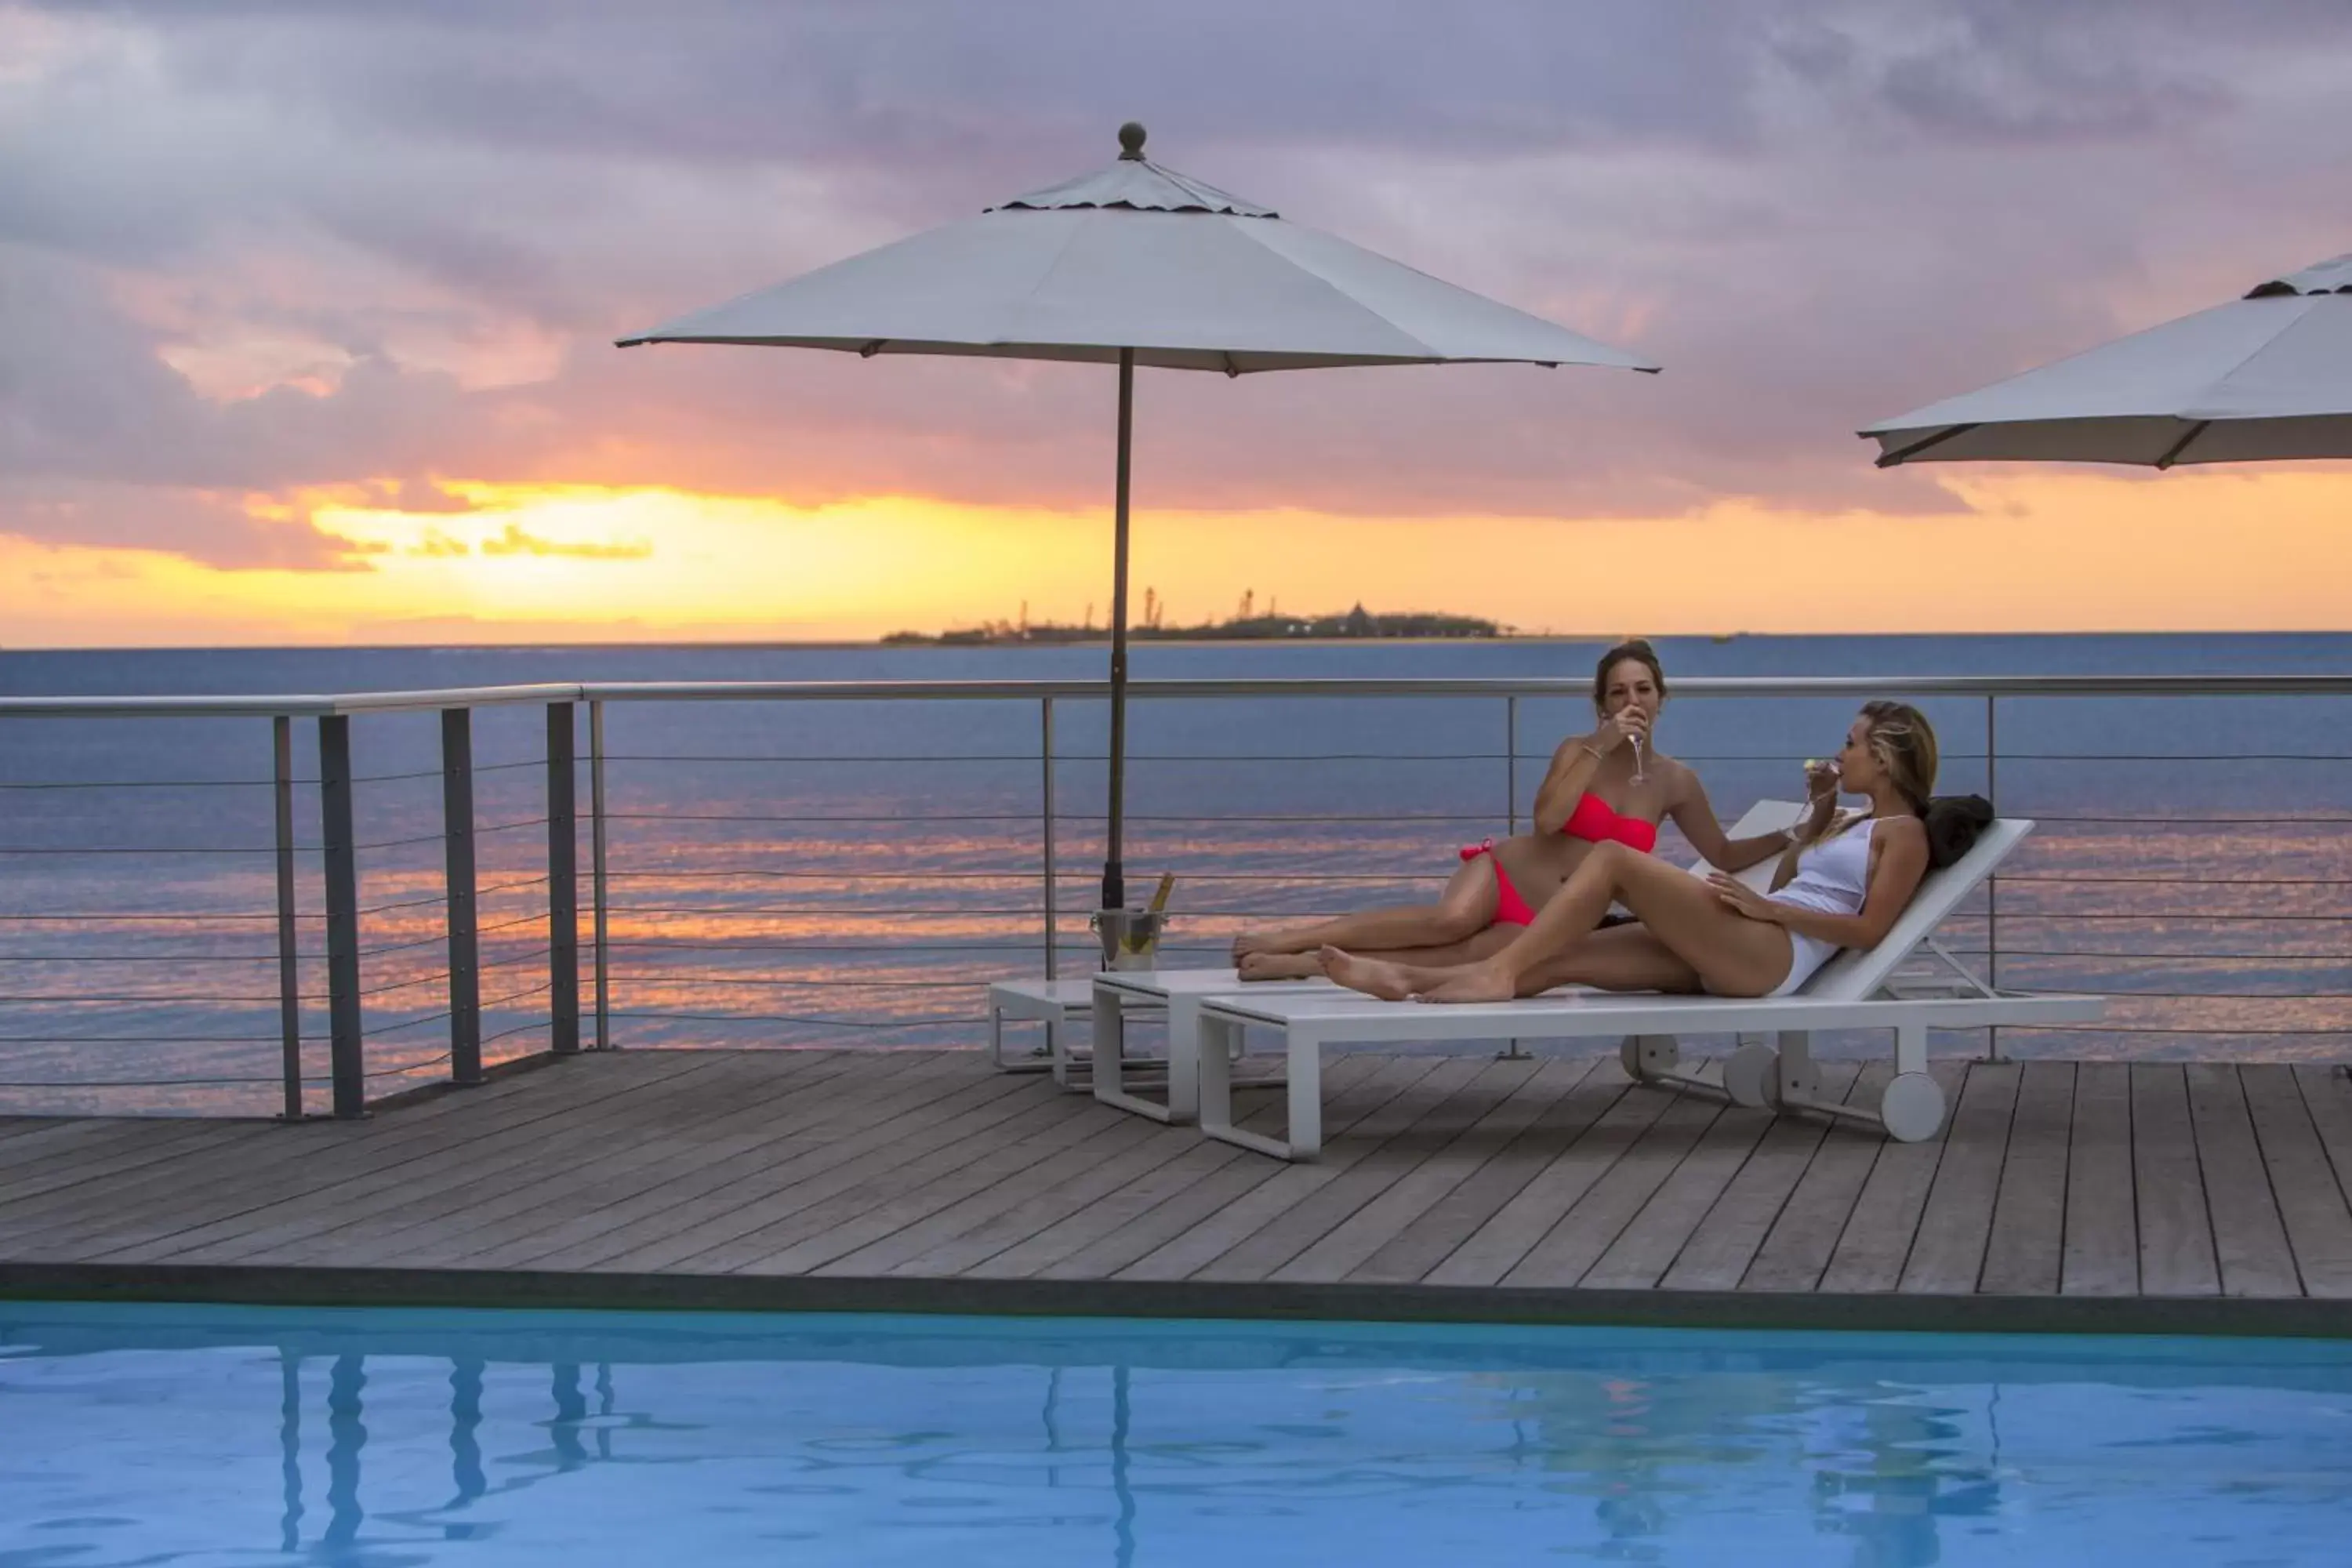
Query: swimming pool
[{"x": 219, "y": 1435}]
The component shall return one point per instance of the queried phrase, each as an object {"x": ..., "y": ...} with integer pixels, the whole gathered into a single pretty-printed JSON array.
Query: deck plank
[
  {"x": 830, "y": 1096},
  {"x": 1563, "y": 1254},
  {"x": 1796, "y": 1251},
  {"x": 1427, "y": 1240},
  {"x": 2026, "y": 1250},
  {"x": 1045, "y": 1198},
  {"x": 1121, "y": 1211},
  {"x": 2328, "y": 1098},
  {"x": 745, "y": 1212},
  {"x": 1233, "y": 1184},
  {"x": 1512, "y": 1231},
  {"x": 267, "y": 1215},
  {"x": 2176, "y": 1233},
  {"x": 2311, "y": 1204},
  {"x": 288, "y": 1154},
  {"x": 324, "y": 1165},
  {"x": 2250, "y": 1241},
  {"x": 1719, "y": 1251},
  {"x": 1957, "y": 1225},
  {"x": 1651, "y": 1241},
  {"x": 38, "y": 1194},
  {"x": 1447, "y": 1136},
  {"x": 2228, "y": 1183},
  {"x": 1380, "y": 1223},
  {"x": 1268, "y": 1203},
  {"x": 1884, "y": 1222},
  {"x": 2101, "y": 1256},
  {"x": 680, "y": 1211}
]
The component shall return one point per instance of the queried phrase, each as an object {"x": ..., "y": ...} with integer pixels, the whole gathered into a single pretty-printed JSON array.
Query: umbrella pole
[{"x": 1114, "y": 877}]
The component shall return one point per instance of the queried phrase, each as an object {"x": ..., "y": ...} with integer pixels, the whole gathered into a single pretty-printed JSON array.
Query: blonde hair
[{"x": 1904, "y": 743}]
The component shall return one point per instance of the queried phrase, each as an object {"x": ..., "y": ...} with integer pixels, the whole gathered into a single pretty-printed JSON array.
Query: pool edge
[{"x": 1881, "y": 1312}]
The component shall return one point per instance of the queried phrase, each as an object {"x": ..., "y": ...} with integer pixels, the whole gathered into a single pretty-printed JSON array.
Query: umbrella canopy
[
  {"x": 2266, "y": 377},
  {"x": 1136, "y": 264}
]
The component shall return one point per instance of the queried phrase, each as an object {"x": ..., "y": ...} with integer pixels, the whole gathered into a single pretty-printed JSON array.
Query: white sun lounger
[
  {"x": 1855, "y": 990},
  {"x": 1179, "y": 993}
]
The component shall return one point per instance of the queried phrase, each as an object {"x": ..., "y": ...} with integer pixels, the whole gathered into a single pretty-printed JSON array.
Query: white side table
[
  {"x": 1053, "y": 1003},
  {"x": 1118, "y": 991}
]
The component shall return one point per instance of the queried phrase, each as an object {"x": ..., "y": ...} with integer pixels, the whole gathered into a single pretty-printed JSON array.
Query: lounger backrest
[{"x": 1854, "y": 975}]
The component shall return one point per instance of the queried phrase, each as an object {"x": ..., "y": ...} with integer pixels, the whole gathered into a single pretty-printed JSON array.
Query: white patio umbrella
[
  {"x": 1136, "y": 265},
  {"x": 2266, "y": 377}
]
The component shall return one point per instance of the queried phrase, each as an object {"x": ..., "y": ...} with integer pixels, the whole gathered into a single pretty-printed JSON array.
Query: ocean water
[
  {"x": 829, "y": 872},
  {"x": 176, "y": 1435}
]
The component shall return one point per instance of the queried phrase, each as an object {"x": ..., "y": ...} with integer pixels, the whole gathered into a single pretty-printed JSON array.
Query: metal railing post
[
  {"x": 1992, "y": 883},
  {"x": 563, "y": 885},
  {"x": 1046, "y": 751},
  {"x": 346, "y": 1026},
  {"x": 1512, "y": 1050},
  {"x": 289, "y": 941},
  {"x": 1511, "y": 759},
  {"x": 597, "y": 893},
  {"x": 462, "y": 919}
]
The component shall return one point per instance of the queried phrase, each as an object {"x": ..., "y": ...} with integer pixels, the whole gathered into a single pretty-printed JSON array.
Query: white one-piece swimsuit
[{"x": 1832, "y": 877}]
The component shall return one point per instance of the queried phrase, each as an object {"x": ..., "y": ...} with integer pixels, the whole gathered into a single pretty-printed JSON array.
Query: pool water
[{"x": 215, "y": 1436}]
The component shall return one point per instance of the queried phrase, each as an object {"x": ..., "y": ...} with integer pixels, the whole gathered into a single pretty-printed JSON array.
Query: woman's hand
[
  {"x": 1820, "y": 782},
  {"x": 1628, "y": 723},
  {"x": 1742, "y": 900}
]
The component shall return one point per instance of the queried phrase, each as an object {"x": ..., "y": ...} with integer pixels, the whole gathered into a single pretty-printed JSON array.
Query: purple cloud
[{"x": 1813, "y": 212}]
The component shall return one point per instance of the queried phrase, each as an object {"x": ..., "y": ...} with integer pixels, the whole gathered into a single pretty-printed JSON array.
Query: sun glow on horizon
[{"x": 2048, "y": 550}]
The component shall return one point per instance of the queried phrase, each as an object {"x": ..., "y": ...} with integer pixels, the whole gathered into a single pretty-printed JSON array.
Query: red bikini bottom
[{"x": 1510, "y": 909}]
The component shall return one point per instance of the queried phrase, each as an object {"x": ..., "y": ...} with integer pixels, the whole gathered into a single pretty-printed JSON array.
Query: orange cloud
[
  {"x": 2022, "y": 551},
  {"x": 513, "y": 540}
]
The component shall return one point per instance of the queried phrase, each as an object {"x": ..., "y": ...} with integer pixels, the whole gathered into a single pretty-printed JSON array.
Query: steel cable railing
[
  {"x": 793, "y": 893},
  {"x": 400, "y": 988}
]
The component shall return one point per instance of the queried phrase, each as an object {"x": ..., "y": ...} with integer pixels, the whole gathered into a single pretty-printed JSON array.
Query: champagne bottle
[{"x": 1138, "y": 939}]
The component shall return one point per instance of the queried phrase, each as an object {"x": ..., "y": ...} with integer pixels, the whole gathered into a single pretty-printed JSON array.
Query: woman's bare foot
[
  {"x": 1252, "y": 943},
  {"x": 1371, "y": 976},
  {"x": 1280, "y": 967},
  {"x": 1483, "y": 983}
]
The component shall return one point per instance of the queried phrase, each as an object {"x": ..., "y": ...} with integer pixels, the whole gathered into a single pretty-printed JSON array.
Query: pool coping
[{"x": 2302, "y": 1318}]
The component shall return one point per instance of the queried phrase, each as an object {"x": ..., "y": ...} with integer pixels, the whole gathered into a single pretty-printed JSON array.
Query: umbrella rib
[
  {"x": 1903, "y": 454},
  {"x": 2172, "y": 453}
]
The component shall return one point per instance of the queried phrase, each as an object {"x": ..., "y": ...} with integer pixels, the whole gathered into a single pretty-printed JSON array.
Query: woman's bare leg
[
  {"x": 1309, "y": 965},
  {"x": 1623, "y": 958},
  {"x": 1732, "y": 954},
  {"x": 1465, "y": 908},
  {"x": 1620, "y": 958},
  {"x": 1572, "y": 914}
]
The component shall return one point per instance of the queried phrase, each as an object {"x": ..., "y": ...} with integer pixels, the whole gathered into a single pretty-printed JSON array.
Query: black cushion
[{"x": 1954, "y": 822}]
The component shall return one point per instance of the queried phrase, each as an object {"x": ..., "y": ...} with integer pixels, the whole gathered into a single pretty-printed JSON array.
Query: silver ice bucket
[{"x": 1130, "y": 938}]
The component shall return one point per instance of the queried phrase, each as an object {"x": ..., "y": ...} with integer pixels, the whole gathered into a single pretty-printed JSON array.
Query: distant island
[{"x": 1273, "y": 626}]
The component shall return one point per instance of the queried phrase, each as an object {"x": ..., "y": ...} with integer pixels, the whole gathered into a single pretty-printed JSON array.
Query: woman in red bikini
[{"x": 1588, "y": 796}]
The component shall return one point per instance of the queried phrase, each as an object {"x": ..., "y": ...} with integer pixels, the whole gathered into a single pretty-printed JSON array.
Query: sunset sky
[{"x": 307, "y": 310}]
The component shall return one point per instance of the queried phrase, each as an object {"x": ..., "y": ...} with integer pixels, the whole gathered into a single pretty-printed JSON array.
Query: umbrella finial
[{"x": 1130, "y": 142}]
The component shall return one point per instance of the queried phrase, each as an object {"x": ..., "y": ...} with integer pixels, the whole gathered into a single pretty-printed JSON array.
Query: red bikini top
[{"x": 1595, "y": 819}]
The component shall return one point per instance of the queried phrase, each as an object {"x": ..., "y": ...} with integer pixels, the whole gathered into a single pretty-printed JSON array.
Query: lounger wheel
[
  {"x": 1750, "y": 1075},
  {"x": 1912, "y": 1108},
  {"x": 1647, "y": 1056}
]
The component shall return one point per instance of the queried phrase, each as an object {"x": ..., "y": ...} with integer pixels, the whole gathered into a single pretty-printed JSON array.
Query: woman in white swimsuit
[{"x": 1844, "y": 881}]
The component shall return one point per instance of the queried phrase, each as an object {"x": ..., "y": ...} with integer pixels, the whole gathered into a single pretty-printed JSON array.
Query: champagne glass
[{"x": 1636, "y": 738}]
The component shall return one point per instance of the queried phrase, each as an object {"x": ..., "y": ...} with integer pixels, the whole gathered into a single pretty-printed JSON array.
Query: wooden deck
[{"x": 2099, "y": 1196}]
